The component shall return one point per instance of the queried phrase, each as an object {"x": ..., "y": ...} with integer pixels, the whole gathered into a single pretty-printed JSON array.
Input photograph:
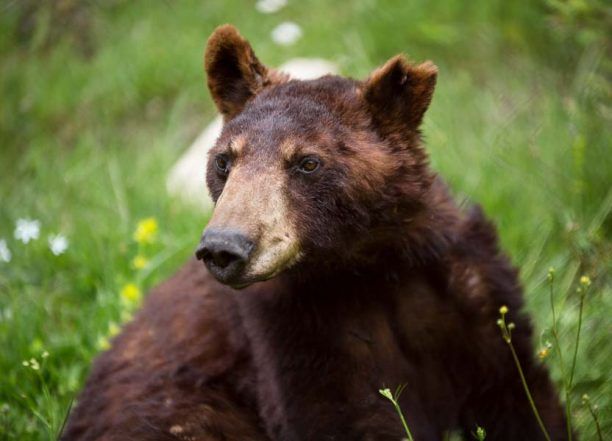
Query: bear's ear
[
  {"x": 234, "y": 73},
  {"x": 398, "y": 93}
]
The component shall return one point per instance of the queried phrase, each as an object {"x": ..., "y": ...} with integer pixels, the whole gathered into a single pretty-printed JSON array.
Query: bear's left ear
[
  {"x": 234, "y": 73},
  {"x": 398, "y": 93}
]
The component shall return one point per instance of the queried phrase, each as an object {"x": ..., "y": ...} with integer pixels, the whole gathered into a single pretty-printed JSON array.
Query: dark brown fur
[{"x": 396, "y": 286}]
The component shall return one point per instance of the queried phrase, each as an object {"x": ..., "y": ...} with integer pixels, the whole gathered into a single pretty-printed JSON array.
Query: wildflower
[
  {"x": 125, "y": 316},
  {"x": 130, "y": 293},
  {"x": 58, "y": 244},
  {"x": 146, "y": 230},
  {"x": 31, "y": 363},
  {"x": 386, "y": 393},
  {"x": 545, "y": 351},
  {"x": 593, "y": 408},
  {"x": 551, "y": 274},
  {"x": 113, "y": 329},
  {"x": 480, "y": 434},
  {"x": 139, "y": 262},
  {"x": 287, "y": 33},
  {"x": 585, "y": 281},
  {"x": 270, "y": 6},
  {"x": 103, "y": 344},
  {"x": 27, "y": 230},
  {"x": 506, "y": 328},
  {"x": 5, "y": 253}
]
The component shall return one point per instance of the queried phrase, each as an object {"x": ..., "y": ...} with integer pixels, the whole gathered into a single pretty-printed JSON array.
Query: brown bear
[{"x": 336, "y": 264}]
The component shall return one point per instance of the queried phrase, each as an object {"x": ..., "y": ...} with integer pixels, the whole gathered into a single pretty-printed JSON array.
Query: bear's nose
[{"x": 225, "y": 253}]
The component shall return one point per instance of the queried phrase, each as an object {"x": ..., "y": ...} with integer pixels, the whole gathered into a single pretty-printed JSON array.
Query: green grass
[{"x": 92, "y": 117}]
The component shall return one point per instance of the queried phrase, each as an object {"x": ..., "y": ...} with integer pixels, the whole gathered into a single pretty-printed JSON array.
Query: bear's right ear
[
  {"x": 398, "y": 93},
  {"x": 234, "y": 73}
]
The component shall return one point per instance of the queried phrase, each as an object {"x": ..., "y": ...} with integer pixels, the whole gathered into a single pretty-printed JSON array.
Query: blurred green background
[{"x": 99, "y": 98}]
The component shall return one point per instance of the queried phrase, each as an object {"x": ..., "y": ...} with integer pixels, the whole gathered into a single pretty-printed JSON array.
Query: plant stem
[
  {"x": 404, "y": 423},
  {"x": 568, "y": 404},
  {"x": 596, "y": 419},
  {"x": 526, "y": 387},
  {"x": 571, "y": 379},
  {"x": 568, "y": 412},
  {"x": 394, "y": 400}
]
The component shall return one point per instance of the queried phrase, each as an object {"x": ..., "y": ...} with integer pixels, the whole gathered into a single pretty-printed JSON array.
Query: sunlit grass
[{"x": 516, "y": 124}]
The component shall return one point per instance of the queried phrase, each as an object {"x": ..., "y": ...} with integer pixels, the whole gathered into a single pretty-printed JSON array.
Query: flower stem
[
  {"x": 526, "y": 387},
  {"x": 394, "y": 399},
  {"x": 596, "y": 419},
  {"x": 506, "y": 331},
  {"x": 404, "y": 423},
  {"x": 568, "y": 404},
  {"x": 571, "y": 378}
]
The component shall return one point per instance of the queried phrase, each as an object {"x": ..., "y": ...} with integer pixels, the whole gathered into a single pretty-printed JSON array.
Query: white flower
[
  {"x": 27, "y": 230},
  {"x": 287, "y": 33},
  {"x": 58, "y": 244},
  {"x": 270, "y": 6},
  {"x": 5, "y": 253}
]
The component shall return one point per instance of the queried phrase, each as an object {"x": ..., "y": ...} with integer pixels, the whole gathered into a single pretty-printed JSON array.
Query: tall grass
[{"x": 99, "y": 99}]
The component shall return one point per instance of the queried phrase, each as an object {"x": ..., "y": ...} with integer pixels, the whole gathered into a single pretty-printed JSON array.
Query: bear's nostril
[
  {"x": 225, "y": 253},
  {"x": 224, "y": 258},
  {"x": 202, "y": 253}
]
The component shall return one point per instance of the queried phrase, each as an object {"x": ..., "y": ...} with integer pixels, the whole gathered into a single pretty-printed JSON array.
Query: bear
[{"x": 336, "y": 263}]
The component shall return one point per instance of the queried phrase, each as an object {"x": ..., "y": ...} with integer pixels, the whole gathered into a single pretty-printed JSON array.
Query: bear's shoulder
[{"x": 174, "y": 366}]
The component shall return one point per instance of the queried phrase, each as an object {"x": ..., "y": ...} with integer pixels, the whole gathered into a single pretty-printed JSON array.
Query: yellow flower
[
  {"x": 126, "y": 316},
  {"x": 139, "y": 262},
  {"x": 130, "y": 293},
  {"x": 503, "y": 310},
  {"x": 585, "y": 281},
  {"x": 103, "y": 344},
  {"x": 146, "y": 230},
  {"x": 113, "y": 329},
  {"x": 543, "y": 353}
]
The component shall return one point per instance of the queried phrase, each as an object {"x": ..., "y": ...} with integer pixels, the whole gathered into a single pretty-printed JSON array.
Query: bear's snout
[{"x": 225, "y": 253}]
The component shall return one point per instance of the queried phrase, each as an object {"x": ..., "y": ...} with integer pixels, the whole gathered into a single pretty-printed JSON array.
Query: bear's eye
[
  {"x": 309, "y": 165},
  {"x": 222, "y": 164}
]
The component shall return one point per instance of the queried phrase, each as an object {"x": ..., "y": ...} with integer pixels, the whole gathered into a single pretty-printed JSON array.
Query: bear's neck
[
  {"x": 426, "y": 236},
  {"x": 292, "y": 322},
  {"x": 417, "y": 237}
]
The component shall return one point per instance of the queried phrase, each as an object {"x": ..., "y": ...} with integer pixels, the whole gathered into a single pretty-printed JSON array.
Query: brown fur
[{"x": 393, "y": 285}]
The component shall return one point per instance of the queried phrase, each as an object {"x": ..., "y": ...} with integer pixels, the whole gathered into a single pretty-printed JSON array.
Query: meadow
[{"x": 98, "y": 99}]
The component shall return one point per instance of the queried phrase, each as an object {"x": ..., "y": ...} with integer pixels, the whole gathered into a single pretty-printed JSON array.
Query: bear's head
[{"x": 314, "y": 173}]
